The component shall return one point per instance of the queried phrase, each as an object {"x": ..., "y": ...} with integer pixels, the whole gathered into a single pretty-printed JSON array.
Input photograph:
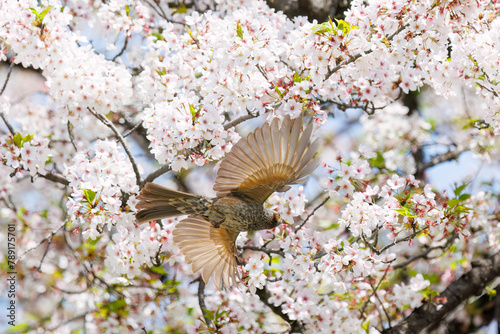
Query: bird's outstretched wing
[
  {"x": 268, "y": 160},
  {"x": 211, "y": 250}
]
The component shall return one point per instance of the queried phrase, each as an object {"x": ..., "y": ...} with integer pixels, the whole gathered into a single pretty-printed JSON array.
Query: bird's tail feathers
[{"x": 157, "y": 202}]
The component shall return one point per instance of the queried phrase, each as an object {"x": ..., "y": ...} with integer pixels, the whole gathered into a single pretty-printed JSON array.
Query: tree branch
[
  {"x": 268, "y": 251},
  {"x": 450, "y": 155},
  {"x": 11, "y": 129},
  {"x": 295, "y": 325},
  {"x": 201, "y": 301},
  {"x": 360, "y": 54},
  {"x": 55, "y": 177},
  {"x": 120, "y": 138},
  {"x": 238, "y": 120},
  {"x": 47, "y": 238},
  {"x": 312, "y": 213},
  {"x": 471, "y": 283},
  {"x": 160, "y": 171}
]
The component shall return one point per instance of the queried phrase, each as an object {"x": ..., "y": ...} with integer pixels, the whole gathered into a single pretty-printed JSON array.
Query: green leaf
[
  {"x": 208, "y": 314},
  {"x": 27, "y": 138},
  {"x": 158, "y": 36},
  {"x": 321, "y": 28},
  {"x": 43, "y": 13},
  {"x": 462, "y": 208},
  {"x": 459, "y": 190},
  {"x": 239, "y": 31},
  {"x": 89, "y": 195},
  {"x": 365, "y": 325},
  {"x": 117, "y": 305},
  {"x": 297, "y": 78},
  {"x": 378, "y": 161},
  {"x": 193, "y": 112},
  {"x": 20, "y": 328},
  {"x": 159, "y": 270},
  {"x": 464, "y": 197},
  {"x": 221, "y": 313},
  {"x": 182, "y": 9},
  {"x": 34, "y": 11},
  {"x": 18, "y": 140},
  {"x": 452, "y": 202},
  {"x": 345, "y": 27},
  {"x": 161, "y": 72},
  {"x": 404, "y": 211},
  {"x": 278, "y": 91}
]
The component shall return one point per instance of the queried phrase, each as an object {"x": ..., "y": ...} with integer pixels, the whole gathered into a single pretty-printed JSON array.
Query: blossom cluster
[
  {"x": 99, "y": 178},
  {"x": 29, "y": 153}
]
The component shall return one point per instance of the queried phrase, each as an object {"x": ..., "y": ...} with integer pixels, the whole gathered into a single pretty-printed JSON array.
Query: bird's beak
[{"x": 284, "y": 222}]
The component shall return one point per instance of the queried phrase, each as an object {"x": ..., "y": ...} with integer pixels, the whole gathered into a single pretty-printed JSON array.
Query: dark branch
[
  {"x": 11, "y": 129},
  {"x": 237, "y": 121},
  {"x": 160, "y": 171},
  {"x": 268, "y": 251},
  {"x": 55, "y": 177},
  {"x": 9, "y": 72},
  {"x": 312, "y": 213},
  {"x": 71, "y": 136},
  {"x": 122, "y": 50},
  {"x": 471, "y": 283},
  {"x": 120, "y": 138},
  {"x": 361, "y": 54},
  {"x": 201, "y": 301},
  {"x": 451, "y": 155},
  {"x": 295, "y": 325}
]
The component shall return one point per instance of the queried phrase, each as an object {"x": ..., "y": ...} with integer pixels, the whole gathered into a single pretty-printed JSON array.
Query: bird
[{"x": 270, "y": 159}]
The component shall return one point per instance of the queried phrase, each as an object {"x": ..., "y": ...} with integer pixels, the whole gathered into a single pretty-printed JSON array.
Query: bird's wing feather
[
  {"x": 208, "y": 249},
  {"x": 268, "y": 160}
]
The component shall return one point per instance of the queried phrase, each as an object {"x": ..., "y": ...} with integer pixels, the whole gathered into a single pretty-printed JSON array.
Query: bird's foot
[{"x": 217, "y": 223}]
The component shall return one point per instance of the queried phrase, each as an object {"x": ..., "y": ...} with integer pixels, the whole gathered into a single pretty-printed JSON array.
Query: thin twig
[
  {"x": 120, "y": 138},
  {"x": 414, "y": 258},
  {"x": 268, "y": 251},
  {"x": 65, "y": 322},
  {"x": 123, "y": 49},
  {"x": 312, "y": 213},
  {"x": 238, "y": 120},
  {"x": 47, "y": 238},
  {"x": 9, "y": 72},
  {"x": 425, "y": 254},
  {"x": 11, "y": 129},
  {"x": 71, "y": 137},
  {"x": 361, "y": 54},
  {"x": 49, "y": 242},
  {"x": 132, "y": 130},
  {"x": 376, "y": 296},
  {"x": 411, "y": 236}
]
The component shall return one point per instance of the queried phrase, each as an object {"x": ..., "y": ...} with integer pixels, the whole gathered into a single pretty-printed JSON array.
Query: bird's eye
[{"x": 276, "y": 217}]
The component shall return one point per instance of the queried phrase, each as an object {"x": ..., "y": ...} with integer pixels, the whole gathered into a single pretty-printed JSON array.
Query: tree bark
[{"x": 471, "y": 283}]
